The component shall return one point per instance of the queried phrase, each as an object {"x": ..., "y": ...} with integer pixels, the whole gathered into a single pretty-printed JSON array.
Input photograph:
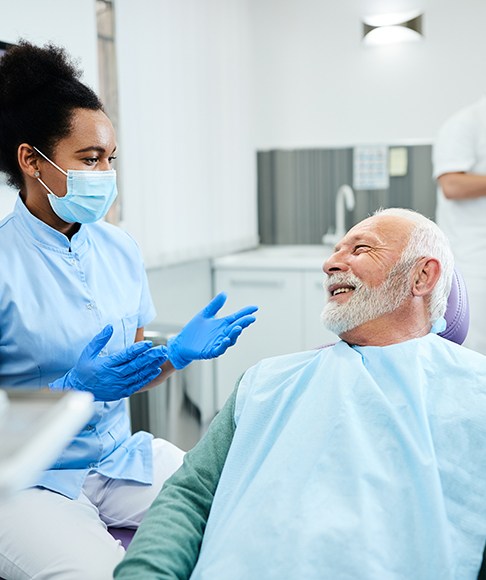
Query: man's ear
[{"x": 426, "y": 275}]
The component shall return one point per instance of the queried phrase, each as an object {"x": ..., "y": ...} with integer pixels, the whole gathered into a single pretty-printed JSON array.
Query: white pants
[{"x": 44, "y": 535}]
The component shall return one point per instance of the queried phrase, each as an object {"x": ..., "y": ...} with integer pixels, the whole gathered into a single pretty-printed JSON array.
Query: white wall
[
  {"x": 205, "y": 83},
  {"x": 70, "y": 24},
  {"x": 316, "y": 84},
  {"x": 187, "y": 148}
]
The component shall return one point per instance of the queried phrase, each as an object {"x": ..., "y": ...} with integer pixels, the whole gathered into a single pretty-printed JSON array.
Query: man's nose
[{"x": 334, "y": 263}]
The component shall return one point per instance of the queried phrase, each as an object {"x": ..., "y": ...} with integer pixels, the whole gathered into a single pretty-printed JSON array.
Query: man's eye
[
  {"x": 90, "y": 160},
  {"x": 360, "y": 249}
]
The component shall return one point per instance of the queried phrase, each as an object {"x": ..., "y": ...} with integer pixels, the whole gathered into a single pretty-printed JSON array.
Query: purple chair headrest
[
  {"x": 125, "y": 535},
  {"x": 457, "y": 311}
]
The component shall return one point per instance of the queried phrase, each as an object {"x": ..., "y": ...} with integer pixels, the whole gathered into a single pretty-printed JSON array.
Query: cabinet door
[
  {"x": 314, "y": 297},
  {"x": 278, "y": 329}
]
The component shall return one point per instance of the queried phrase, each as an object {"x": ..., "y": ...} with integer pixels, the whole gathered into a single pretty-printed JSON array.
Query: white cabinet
[
  {"x": 288, "y": 290},
  {"x": 278, "y": 328}
]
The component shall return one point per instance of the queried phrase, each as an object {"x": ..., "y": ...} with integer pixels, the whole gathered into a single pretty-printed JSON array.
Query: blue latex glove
[
  {"x": 113, "y": 377},
  {"x": 207, "y": 337}
]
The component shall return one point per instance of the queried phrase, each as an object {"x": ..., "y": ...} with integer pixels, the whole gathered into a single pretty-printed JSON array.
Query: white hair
[{"x": 427, "y": 240}]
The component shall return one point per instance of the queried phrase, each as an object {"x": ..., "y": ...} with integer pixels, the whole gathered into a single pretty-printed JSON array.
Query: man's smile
[{"x": 338, "y": 289}]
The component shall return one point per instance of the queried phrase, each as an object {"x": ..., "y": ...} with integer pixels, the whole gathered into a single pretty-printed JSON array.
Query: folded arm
[
  {"x": 461, "y": 185},
  {"x": 167, "y": 544}
]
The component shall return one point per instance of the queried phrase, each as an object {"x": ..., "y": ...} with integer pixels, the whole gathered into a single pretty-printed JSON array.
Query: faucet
[{"x": 344, "y": 196}]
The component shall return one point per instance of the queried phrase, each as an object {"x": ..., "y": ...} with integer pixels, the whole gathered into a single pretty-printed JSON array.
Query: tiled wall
[{"x": 297, "y": 189}]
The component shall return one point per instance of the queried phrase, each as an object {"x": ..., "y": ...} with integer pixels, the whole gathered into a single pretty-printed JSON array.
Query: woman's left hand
[{"x": 205, "y": 336}]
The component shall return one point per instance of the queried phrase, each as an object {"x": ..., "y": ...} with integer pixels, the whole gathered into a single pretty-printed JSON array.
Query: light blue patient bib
[{"x": 355, "y": 463}]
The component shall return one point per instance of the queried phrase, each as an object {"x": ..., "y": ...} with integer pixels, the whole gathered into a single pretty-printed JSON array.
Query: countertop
[{"x": 276, "y": 257}]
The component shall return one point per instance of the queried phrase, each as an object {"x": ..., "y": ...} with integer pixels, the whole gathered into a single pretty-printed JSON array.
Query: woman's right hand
[{"x": 113, "y": 377}]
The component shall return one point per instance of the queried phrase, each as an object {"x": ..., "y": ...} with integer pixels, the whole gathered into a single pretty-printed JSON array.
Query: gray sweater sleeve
[{"x": 168, "y": 541}]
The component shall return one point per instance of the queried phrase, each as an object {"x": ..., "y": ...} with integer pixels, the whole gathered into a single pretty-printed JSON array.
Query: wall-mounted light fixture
[{"x": 392, "y": 28}]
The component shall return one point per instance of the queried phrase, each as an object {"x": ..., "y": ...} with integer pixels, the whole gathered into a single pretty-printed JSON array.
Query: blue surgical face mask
[{"x": 89, "y": 196}]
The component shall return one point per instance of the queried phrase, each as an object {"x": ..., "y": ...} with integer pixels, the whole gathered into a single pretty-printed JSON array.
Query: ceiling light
[{"x": 392, "y": 28}]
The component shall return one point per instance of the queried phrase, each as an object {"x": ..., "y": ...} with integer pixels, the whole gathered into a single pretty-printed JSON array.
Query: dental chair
[
  {"x": 457, "y": 320},
  {"x": 457, "y": 311},
  {"x": 125, "y": 535}
]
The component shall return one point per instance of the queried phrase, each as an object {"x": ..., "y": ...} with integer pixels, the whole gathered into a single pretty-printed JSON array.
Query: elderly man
[{"x": 365, "y": 459}]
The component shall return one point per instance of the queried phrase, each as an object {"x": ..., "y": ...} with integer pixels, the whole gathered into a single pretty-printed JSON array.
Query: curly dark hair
[{"x": 39, "y": 90}]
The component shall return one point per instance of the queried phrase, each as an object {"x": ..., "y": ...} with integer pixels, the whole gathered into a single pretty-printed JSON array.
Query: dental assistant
[{"x": 74, "y": 301}]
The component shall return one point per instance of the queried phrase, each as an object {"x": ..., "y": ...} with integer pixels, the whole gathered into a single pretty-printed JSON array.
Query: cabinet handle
[{"x": 259, "y": 283}]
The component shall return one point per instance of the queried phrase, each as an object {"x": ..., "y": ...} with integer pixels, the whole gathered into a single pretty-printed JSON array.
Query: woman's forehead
[{"x": 91, "y": 128}]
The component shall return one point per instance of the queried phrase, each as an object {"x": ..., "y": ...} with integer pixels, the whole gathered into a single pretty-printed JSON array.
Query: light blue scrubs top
[{"x": 56, "y": 294}]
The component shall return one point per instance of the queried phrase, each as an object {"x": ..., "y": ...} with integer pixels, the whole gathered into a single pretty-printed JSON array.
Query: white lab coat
[{"x": 461, "y": 147}]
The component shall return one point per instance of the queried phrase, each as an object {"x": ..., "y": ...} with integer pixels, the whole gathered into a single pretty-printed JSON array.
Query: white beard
[{"x": 366, "y": 303}]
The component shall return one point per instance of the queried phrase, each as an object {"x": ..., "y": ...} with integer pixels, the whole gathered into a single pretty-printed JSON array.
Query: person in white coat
[{"x": 459, "y": 159}]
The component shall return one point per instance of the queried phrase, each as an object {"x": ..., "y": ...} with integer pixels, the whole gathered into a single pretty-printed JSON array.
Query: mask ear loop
[
  {"x": 46, "y": 186},
  {"x": 37, "y": 173},
  {"x": 51, "y": 162}
]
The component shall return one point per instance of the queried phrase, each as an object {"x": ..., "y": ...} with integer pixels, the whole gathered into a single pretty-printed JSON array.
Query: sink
[{"x": 344, "y": 199}]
